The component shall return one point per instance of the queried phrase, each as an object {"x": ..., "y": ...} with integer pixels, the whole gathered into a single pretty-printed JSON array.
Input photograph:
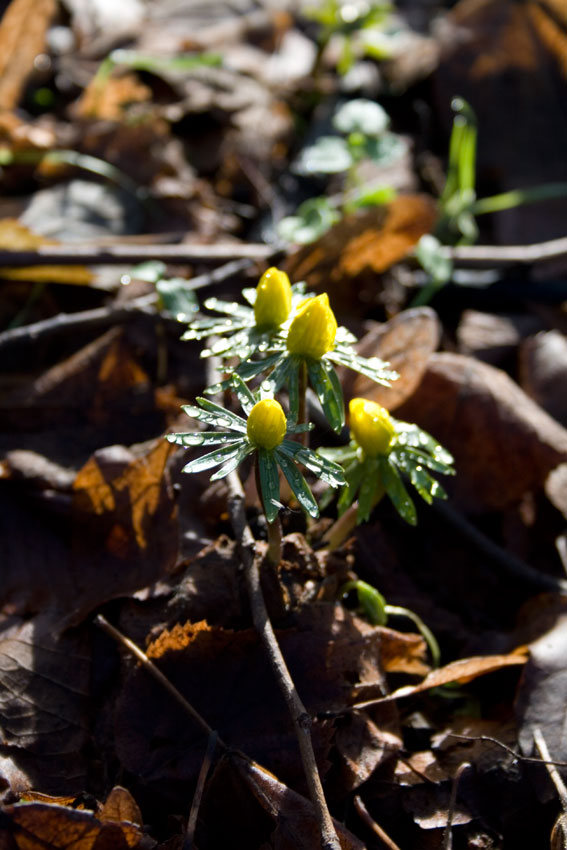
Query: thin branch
[
  {"x": 102, "y": 317},
  {"x": 516, "y": 756},
  {"x": 365, "y": 816},
  {"x": 561, "y": 822},
  {"x": 505, "y": 255},
  {"x": 448, "y": 837},
  {"x": 105, "y": 255},
  {"x": 260, "y": 617},
  {"x": 198, "y": 795},
  {"x": 154, "y": 671}
]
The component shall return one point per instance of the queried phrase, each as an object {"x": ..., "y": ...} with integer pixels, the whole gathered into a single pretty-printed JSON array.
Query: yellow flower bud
[
  {"x": 313, "y": 330},
  {"x": 371, "y": 426},
  {"x": 273, "y": 298},
  {"x": 266, "y": 425}
]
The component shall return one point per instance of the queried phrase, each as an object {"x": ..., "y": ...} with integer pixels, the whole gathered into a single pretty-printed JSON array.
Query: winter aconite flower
[
  {"x": 371, "y": 426},
  {"x": 264, "y": 433},
  {"x": 247, "y": 330},
  {"x": 266, "y": 426},
  {"x": 382, "y": 449},
  {"x": 273, "y": 299},
  {"x": 313, "y": 330},
  {"x": 310, "y": 348}
]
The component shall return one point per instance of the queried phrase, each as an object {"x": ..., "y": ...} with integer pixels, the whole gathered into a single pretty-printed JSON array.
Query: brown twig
[
  {"x": 448, "y": 837},
  {"x": 365, "y": 816},
  {"x": 198, "y": 795},
  {"x": 505, "y": 255},
  {"x": 112, "y": 314},
  {"x": 300, "y": 717},
  {"x": 154, "y": 671},
  {"x": 106, "y": 255},
  {"x": 517, "y": 756}
]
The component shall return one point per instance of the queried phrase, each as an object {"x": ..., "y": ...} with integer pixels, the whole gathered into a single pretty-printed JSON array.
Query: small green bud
[
  {"x": 273, "y": 298},
  {"x": 313, "y": 330},
  {"x": 266, "y": 425},
  {"x": 371, "y": 426}
]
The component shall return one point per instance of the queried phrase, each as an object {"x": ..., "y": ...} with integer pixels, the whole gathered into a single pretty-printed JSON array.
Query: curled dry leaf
[
  {"x": 356, "y": 250},
  {"x": 504, "y": 444},
  {"x": 462, "y": 671},
  {"x": 326, "y": 650},
  {"x": 406, "y": 343},
  {"x": 296, "y": 824},
  {"x": 22, "y": 37},
  {"x": 44, "y": 826}
]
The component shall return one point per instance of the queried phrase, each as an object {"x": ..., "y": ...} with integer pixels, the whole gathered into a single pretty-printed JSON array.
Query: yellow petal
[
  {"x": 371, "y": 426},
  {"x": 273, "y": 298},
  {"x": 266, "y": 424},
  {"x": 313, "y": 330}
]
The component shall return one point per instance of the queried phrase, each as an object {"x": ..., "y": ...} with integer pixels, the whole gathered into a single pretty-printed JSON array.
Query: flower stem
[
  {"x": 274, "y": 553},
  {"x": 302, "y": 414}
]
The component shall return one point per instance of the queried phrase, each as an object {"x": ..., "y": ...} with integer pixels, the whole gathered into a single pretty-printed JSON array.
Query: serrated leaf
[
  {"x": 298, "y": 485},
  {"x": 374, "y": 368},
  {"x": 269, "y": 483},
  {"x": 231, "y": 308},
  {"x": 203, "y": 438},
  {"x": 386, "y": 149},
  {"x": 233, "y": 462},
  {"x": 213, "y": 458},
  {"x": 396, "y": 490},
  {"x": 411, "y": 435},
  {"x": 313, "y": 218},
  {"x": 177, "y": 298},
  {"x": 242, "y": 393},
  {"x": 232, "y": 420},
  {"x": 150, "y": 271},
  {"x": 368, "y": 490},
  {"x": 329, "y": 472},
  {"x": 327, "y": 387}
]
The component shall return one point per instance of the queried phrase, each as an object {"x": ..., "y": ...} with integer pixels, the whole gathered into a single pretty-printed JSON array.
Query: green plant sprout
[
  {"x": 380, "y": 451},
  {"x": 363, "y": 125},
  {"x": 302, "y": 348},
  {"x": 375, "y": 608},
  {"x": 356, "y": 23},
  {"x": 459, "y": 204},
  {"x": 263, "y": 433},
  {"x": 297, "y": 342},
  {"x": 249, "y": 330},
  {"x": 153, "y": 63},
  {"x": 175, "y": 295}
]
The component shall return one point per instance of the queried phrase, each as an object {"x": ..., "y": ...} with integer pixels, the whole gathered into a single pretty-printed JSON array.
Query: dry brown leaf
[
  {"x": 462, "y": 671},
  {"x": 406, "y": 342},
  {"x": 503, "y": 443},
  {"x": 325, "y": 651},
  {"x": 22, "y": 37},
  {"x": 43, "y": 826},
  {"x": 543, "y": 372},
  {"x": 44, "y": 697},
  {"x": 297, "y": 827},
  {"x": 108, "y": 99},
  {"x": 14, "y": 236},
  {"x": 363, "y": 245},
  {"x": 120, "y": 806}
]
